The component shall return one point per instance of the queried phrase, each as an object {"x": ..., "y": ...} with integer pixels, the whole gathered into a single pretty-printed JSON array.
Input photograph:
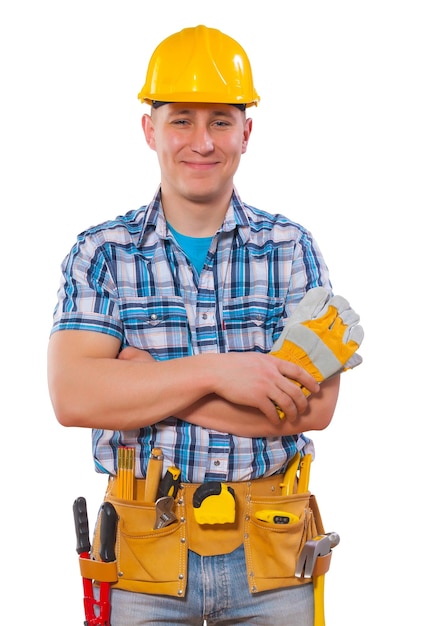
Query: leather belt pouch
[{"x": 155, "y": 561}]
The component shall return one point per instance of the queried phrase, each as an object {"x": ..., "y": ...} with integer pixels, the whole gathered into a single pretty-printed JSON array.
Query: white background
[{"x": 341, "y": 144}]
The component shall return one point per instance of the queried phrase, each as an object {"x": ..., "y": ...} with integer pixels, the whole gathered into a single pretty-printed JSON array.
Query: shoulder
[
  {"x": 277, "y": 225},
  {"x": 100, "y": 241},
  {"x": 122, "y": 230}
]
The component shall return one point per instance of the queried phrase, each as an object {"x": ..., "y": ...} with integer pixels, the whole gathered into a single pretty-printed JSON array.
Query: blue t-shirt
[{"x": 195, "y": 248}]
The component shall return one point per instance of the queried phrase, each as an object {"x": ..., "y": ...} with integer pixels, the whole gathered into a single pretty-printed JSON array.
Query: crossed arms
[{"x": 92, "y": 384}]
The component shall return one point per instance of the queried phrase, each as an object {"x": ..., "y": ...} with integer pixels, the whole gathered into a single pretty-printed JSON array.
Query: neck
[{"x": 193, "y": 218}]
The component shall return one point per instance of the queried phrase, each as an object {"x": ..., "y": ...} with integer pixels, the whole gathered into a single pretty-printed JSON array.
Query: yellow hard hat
[{"x": 199, "y": 64}]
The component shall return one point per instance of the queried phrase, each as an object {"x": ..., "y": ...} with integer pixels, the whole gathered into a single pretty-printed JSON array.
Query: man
[{"x": 161, "y": 337}]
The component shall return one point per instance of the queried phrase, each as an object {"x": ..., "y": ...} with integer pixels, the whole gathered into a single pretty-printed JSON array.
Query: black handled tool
[
  {"x": 170, "y": 482},
  {"x": 80, "y": 515},
  {"x": 108, "y": 525},
  {"x": 83, "y": 547}
]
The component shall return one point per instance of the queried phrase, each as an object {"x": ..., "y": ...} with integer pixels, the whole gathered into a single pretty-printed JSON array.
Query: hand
[
  {"x": 253, "y": 379},
  {"x": 134, "y": 354},
  {"x": 263, "y": 381}
]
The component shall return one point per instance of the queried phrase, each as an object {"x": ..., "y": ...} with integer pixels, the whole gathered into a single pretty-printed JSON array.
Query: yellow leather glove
[{"x": 322, "y": 335}]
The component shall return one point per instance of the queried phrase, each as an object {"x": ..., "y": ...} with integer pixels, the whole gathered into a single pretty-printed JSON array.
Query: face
[{"x": 199, "y": 147}]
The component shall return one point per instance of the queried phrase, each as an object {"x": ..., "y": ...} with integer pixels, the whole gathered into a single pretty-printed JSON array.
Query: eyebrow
[{"x": 215, "y": 112}]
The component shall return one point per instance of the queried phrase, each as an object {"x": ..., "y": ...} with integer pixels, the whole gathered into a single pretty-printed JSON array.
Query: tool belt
[{"x": 155, "y": 561}]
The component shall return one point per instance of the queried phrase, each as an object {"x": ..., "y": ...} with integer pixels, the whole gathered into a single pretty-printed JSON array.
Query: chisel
[{"x": 153, "y": 474}]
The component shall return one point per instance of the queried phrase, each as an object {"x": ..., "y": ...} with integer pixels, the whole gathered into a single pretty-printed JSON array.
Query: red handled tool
[{"x": 97, "y": 612}]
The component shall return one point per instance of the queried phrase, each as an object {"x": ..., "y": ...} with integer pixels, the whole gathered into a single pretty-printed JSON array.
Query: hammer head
[{"x": 315, "y": 547}]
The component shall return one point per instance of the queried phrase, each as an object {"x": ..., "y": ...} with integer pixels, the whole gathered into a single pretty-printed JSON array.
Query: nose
[{"x": 202, "y": 141}]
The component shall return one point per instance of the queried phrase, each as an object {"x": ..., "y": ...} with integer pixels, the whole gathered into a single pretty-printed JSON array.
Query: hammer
[{"x": 318, "y": 546}]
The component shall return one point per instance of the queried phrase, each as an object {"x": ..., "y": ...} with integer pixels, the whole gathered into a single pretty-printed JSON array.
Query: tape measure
[{"x": 214, "y": 503}]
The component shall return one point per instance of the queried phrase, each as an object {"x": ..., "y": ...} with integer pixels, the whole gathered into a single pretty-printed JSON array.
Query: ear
[
  {"x": 149, "y": 130},
  {"x": 246, "y": 134}
]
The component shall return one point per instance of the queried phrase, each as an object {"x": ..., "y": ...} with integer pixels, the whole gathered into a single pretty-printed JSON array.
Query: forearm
[
  {"x": 92, "y": 388},
  {"x": 244, "y": 421}
]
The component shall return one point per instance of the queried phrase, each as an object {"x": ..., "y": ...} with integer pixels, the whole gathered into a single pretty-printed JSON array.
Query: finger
[
  {"x": 340, "y": 303},
  {"x": 292, "y": 399},
  {"x": 312, "y": 304},
  {"x": 353, "y": 332},
  {"x": 298, "y": 374},
  {"x": 272, "y": 411},
  {"x": 353, "y": 361},
  {"x": 356, "y": 334},
  {"x": 349, "y": 317},
  {"x": 288, "y": 413}
]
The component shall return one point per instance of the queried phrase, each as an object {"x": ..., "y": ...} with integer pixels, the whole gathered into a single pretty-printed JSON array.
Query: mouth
[{"x": 200, "y": 166}]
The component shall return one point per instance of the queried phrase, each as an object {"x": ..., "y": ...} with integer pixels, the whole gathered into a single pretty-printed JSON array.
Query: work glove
[{"x": 322, "y": 335}]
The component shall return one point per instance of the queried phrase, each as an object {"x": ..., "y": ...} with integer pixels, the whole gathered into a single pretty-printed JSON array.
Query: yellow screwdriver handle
[
  {"x": 288, "y": 482},
  {"x": 305, "y": 470}
]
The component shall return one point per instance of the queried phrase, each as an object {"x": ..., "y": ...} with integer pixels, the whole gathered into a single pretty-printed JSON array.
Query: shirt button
[
  {"x": 205, "y": 316},
  {"x": 154, "y": 316},
  {"x": 217, "y": 463}
]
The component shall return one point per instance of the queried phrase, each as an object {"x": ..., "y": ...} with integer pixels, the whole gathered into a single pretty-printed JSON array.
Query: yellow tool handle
[
  {"x": 319, "y": 617},
  {"x": 276, "y": 517},
  {"x": 289, "y": 479},
  {"x": 153, "y": 474},
  {"x": 304, "y": 474}
]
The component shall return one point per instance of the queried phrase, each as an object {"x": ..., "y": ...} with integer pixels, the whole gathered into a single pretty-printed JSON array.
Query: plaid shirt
[{"x": 129, "y": 278}]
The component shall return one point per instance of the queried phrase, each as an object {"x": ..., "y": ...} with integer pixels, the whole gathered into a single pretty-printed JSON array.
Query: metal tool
[
  {"x": 321, "y": 545},
  {"x": 315, "y": 547},
  {"x": 164, "y": 514}
]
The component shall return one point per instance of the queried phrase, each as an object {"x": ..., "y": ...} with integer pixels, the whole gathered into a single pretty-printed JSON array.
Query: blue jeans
[{"x": 217, "y": 591}]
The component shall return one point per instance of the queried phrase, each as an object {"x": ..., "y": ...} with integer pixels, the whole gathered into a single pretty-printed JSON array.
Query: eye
[
  {"x": 221, "y": 123},
  {"x": 179, "y": 122}
]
